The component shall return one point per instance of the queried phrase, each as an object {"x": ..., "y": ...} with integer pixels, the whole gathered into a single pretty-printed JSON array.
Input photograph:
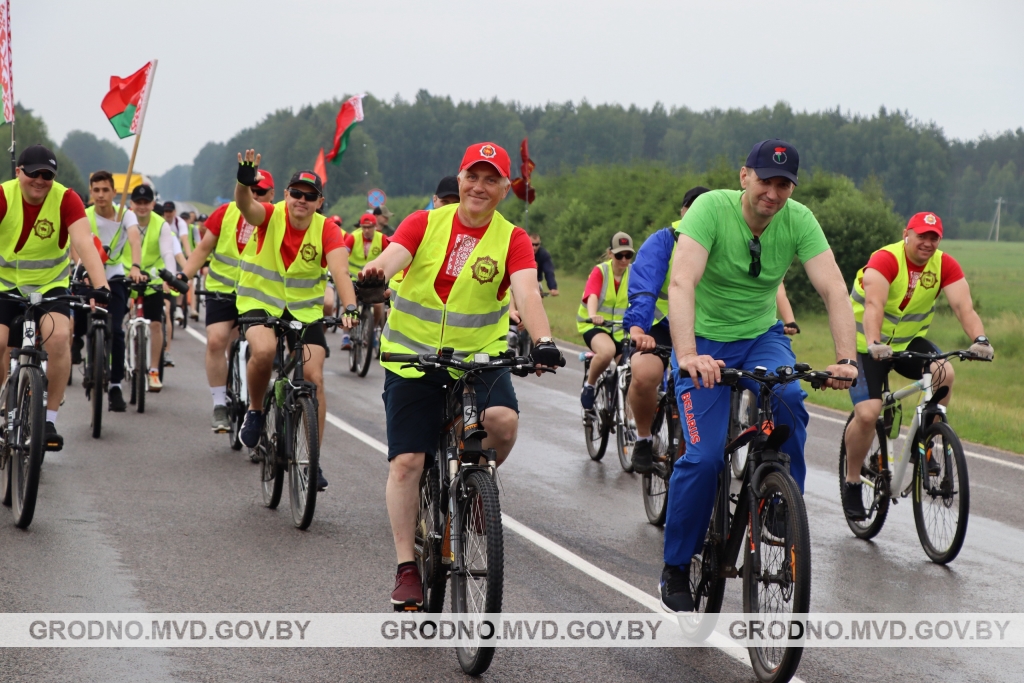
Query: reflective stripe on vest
[
  {"x": 899, "y": 328},
  {"x": 224, "y": 266},
  {"x": 357, "y": 259},
  {"x": 42, "y": 264},
  {"x": 264, "y": 282},
  {"x": 474, "y": 320},
  {"x": 613, "y": 304}
]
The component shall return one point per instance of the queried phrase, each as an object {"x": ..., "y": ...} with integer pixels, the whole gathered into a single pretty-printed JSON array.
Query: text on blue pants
[{"x": 705, "y": 417}]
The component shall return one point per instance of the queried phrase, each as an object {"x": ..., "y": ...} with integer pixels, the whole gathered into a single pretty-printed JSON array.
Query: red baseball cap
[
  {"x": 267, "y": 181},
  {"x": 487, "y": 152},
  {"x": 925, "y": 222},
  {"x": 367, "y": 219}
]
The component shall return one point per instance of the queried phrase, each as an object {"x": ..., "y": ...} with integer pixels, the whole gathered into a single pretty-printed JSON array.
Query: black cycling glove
[
  {"x": 247, "y": 173},
  {"x": 370, "y": 290},
  {"x": 546, "y": 353},
  {"x": 101, "y": 295},
  {"x": 351, "y": 312},
  {"x": 792, "y": 326}
]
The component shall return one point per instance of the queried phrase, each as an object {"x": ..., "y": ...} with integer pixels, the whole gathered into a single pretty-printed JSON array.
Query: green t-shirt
[{"x": 730, "y": 304}]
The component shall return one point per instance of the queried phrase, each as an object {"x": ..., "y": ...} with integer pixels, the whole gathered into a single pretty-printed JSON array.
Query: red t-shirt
[
  {"x": 350, "y": 242},
  {"x": 886, "y": 264},
  {"x": 243, "y": 230},
  {"x": 595, "y": 284},
  {"x": 71, "y": 210},
  {"x": 293, "y": 238},
  {"x": 460, "y": 245}
]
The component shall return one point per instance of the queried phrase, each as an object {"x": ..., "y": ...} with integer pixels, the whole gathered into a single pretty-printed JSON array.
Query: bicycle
[
  {"x": 743, "y": 407},
  {"x": 768, "y": 519},
  {"x": 884, "y": 470},
  {"x": 458, "y": 527},
  {"x": 667, "y": 445},
  {"x": 23, "y": 429},
  {"x": 96, "y": 363},
  {"x": 238, "y": 382},
  {"x": 137, "y": 340},
  {"x": 290, "y": 438},
  {"x": 362, "y": 338},
  {"x": 611, "y": 411},
  {"x": 519, "y": 341}
]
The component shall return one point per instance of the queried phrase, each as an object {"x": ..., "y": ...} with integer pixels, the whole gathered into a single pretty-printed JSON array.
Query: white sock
[
  {"x": 153, "y": 370},
  {"x": 588, "y": 384},
  {"x": 642, "y": 438},
  {"x": 51, "y": 416},
  {"x": 220, "y": 395}
]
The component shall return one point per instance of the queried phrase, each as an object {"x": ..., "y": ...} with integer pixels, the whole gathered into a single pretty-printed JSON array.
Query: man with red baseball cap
[
  {"x": 463, "y": 261},
  {"x": 894, "y": 302}
]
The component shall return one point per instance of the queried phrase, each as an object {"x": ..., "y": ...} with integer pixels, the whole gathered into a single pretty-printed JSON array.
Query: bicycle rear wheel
[
  {"x": 595, "y": 428},
  {"x": 304, "y": 464},
  {"x": 429, "y": 534},
  {"x": 26, "y": 445},
  {"x": 141, "y": 373},
  {"x": 9, "y": 396},
  {"x": 97, "y": 364},
  {"x": 941, "y": 502},
  {"x": 625, "y": 431},
  {"x": 654, "y": 485},
  {"x": 874, "y": 488},
  {"x": 707, "y": 586},
  {"x": 366, "y": 340},
  {"x": 782, "y": 586},
  {"x": 271, "y": 469},
  {"x": 477, "y": 584}
]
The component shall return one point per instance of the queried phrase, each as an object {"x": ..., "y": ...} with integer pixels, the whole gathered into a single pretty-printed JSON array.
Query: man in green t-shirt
[{"x": 733, "y": 250}]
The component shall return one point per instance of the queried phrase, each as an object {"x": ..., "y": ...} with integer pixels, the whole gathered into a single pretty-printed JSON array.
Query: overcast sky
[{"x": 224, "y": 64}]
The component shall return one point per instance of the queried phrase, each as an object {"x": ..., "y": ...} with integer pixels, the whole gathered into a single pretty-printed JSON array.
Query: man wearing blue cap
[{"x": 734, "y": 249}]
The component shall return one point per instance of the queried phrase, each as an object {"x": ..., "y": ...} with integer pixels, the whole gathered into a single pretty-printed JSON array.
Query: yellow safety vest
[
  {"x": 474, "y": 320},
  {"x": 42, "y": 264},
  {"x": 265, "y": 283},
  {"x": 613, "y": 303},
  {"x": 116, "y": 251},
  {"x": 357, "y": 259},
  {"x": 152, "y": 260},
  {"x": 225, "y": 268},
  {"x": 899, "y": 328}
]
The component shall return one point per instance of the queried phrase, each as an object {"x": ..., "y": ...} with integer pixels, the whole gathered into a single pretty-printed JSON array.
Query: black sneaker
[
  {"x": 675, "y": 590},
  {"x": 249, "y": 434},
  {"x": 54, "y": 441},
  {"x": 115, "y": 401},
  {"x": 853, "y": 504},
  {"x": 587, "y": 397},
  {"x": 321, "y": 480},
  {"x": 643, "y": 456}
]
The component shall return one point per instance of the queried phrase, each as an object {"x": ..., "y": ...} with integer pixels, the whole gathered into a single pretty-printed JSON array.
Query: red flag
[
  {"x": 320, "y": 168},
  {"x": 349, "y": 115},
  {"x": 125, "y": 100},
  {"x": 526, "y": 169}
]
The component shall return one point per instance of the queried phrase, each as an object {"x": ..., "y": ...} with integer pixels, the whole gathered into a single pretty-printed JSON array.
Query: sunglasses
[
  {"x": 46, "y": 175},
  {"x": 755, "y": 257},
  {"x": 261, "y": 192},
  {"x": 623, "y": 255},
  {"x": 299, "y": 194},
  {"x": 536, "y": 244}
]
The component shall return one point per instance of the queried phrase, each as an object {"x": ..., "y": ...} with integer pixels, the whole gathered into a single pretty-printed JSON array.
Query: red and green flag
[
  {"x": 126, "y": 99},
  {"x": 6, "y": 71},
  {"x": 349, "y": 115},
  {"x": 319, "y": 167}
]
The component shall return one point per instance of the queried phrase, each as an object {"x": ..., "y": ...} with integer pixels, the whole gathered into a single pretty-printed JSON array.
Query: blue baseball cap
[{"x": 774, "y": 158}]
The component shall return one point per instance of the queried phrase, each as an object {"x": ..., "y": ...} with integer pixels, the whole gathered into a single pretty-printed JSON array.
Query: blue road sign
[{"x": 376, "y": 198}]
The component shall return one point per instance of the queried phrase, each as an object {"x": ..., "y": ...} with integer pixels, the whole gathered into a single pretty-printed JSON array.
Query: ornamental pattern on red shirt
[{"x": 464, "y": 245}]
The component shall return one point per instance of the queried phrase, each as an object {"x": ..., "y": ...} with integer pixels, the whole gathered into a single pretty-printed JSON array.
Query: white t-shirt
[{"x": 108, "y": 229}]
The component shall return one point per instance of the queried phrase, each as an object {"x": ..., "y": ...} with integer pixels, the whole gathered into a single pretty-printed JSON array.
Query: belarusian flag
[
  {"x": 6, "y": 70},
  {"x": 349, "y": 115},
  {"x": 126, "y": 98},
  {"x": 319, "y": 167}
]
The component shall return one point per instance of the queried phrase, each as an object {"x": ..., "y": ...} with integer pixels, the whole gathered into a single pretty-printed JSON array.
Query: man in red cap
[
  {"x": 463, "y": 259},
  {"x": 227, "y": 234},
  {"x": 894, "y": 302}
]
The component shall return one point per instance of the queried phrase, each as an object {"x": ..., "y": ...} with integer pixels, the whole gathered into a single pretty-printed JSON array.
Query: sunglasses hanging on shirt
[{"x": 755, "y": 257}]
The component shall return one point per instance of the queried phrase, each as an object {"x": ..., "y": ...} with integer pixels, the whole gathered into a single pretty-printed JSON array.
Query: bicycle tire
[
  {"x": 354, "y": 336},
  {"x": 163, "y": 352},
  {"x": 5, "y": 454},
  {"x": 654, "y": 485},
  {"x": 468, "y": 596},
  {"x": 875, "y": 495},
  {"x": 595, "y": 430},
  {"x": 942, "y": 549},
  {"x": 271, "y": 470},
  {"x": 97, "y": 363},
  {"x": 367, "y": 331},
  {"x": 429, "y": 532},
  {"x": 746, "y": 415},
  {"x": 707, "y": 586},
  {"x": 237, "y": 404},
  {"x": 779, "y": 664},
  {"x": 304, "y": 464},
  {"x": 29, "y": 436},
  {"x": 141, "y": 375},
  {"x": 625, "y": 432}
]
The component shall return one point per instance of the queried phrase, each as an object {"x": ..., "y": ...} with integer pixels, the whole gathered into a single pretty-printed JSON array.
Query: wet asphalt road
[{"x": 161, "y": 516}]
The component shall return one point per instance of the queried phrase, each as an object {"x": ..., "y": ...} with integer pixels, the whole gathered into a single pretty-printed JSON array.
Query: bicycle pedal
[{"x": 408, "y": 608}]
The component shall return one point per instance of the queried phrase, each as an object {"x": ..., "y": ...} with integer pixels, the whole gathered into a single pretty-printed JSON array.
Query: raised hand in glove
[
  {"x": 879, "y": 351},
  {"x": 370, "y": 285},
  {"x": 248, "y": 168},
  {"x": 546, "y": 353},
  {"x": 982, "y": 350}
]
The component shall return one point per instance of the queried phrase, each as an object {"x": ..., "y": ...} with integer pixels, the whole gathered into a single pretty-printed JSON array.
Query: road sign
[{"x": 376, "y": 198}]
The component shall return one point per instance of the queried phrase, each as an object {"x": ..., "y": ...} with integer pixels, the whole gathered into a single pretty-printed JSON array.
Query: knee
[
  {"x": 948, "y": 374},
  {"x": 216, "y": 343},
  {"x": 405, "y": 466},
  {"x": 59, "y": 338},
  {"x": 261, "y": 354},
  {"x": 501, "y": 423}
]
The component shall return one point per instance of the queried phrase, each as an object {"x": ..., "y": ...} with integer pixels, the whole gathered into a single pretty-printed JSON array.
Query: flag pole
[
  {"x": 135, "y": 148},
  {"x": 14, "y": 158}
]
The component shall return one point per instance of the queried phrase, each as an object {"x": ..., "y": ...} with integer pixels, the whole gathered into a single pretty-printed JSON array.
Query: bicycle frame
[
  {"x": 900, "y": 460},
  {"x": 138, "y": 324}
]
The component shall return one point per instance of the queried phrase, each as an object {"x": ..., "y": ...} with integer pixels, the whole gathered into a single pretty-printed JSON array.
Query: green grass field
[{"x": 988, "y": 403}]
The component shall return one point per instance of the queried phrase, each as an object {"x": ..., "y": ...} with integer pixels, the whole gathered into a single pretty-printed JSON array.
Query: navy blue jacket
[{"x": 646, "y": 278}]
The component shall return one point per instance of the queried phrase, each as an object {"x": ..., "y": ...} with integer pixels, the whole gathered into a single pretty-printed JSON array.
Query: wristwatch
[
  {"x": 848, "y": 361},
  {"x": 982, "y": 339},
  {"x": 545, "y": 340}
]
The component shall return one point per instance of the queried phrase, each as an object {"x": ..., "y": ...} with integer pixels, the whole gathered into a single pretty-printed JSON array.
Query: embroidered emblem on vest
[
  {"x": 484, "y": 269},
  {"x": 374, "y": 251},
  {"x": 308, "y": 253},
  {"x": 927, "y": 280},
  {"x": 43, "y": 229}
]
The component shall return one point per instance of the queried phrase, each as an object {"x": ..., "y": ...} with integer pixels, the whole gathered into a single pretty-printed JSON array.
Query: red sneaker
[{"x": 408, "y": 593}]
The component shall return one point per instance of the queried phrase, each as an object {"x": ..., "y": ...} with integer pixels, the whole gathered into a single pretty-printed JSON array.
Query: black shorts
[
  {"x": 414, "y": 406},
  {"x": 153, "y": 307},
  {"x": 662, "y": 337},
  {"x": 221, "y": 311},
  {"x": 314, "y": 333},
  {"x": 589, "y": 335},
  {"x": 12, "y": 310},
  {"x": 872, "y": 373}
]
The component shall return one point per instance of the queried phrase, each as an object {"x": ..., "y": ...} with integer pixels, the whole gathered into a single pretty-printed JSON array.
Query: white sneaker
[{"x": 178, "y": 315}]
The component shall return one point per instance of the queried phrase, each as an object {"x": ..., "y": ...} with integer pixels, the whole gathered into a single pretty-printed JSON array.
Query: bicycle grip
[{"x": 173, "y": 282}]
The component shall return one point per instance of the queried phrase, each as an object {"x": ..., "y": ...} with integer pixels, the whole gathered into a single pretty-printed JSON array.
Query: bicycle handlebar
[
  {"x": 782, "y": 375},
  {"x": 931, "y": 356},
  {"x": 173, "y": 282},
  {"x": 437, "y": 361},
  {"x": 216, "y": 295},
  {"x": 285, "y": 325}
]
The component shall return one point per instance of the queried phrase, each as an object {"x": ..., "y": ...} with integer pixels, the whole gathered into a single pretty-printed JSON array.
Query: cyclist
[
  {"x": 734, "y": 249},
  {"x": 382, "y": 215},
  {"x": 158, "y": 240},
  {"x": 894, "y": 302},
  {"x": 38, "y": 218},
  {"x": 462, "y": 260},
  {"x": 604, "y": 300},
  {"x": 545, "y": 266},
  {"x": 364, "y": 245},
  {"x": 123, "y": 239},
  {"x": 285, "y": 276},
  {"x": 227, "y": 234}
]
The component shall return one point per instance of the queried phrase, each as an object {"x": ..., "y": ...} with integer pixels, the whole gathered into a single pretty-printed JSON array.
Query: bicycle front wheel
[
  {"x": 595, "y": 428},
  {"x": 625, "y": 432},
  {"x": 478, "y": 576},
  {"x": 874, "y": 488},
  {"x": 355, "y": 336},
  {"x": 429, "y": 534},
  {"x": 97, "y": 364},
  {"x": 304, "y": 464},
  {"x": 26, "y": 445},
  {"x": 942, "y": 501},
  {"x": 141, "y": 373},
  {"x": 237, "y": 403},
  {"x": 271, "y": 470},
  {"x": 745, "y": 415},
  {"x": 366, "y": 341},
  {"x": 6, "y": 460},
  {"x": 781, "y": 586}
]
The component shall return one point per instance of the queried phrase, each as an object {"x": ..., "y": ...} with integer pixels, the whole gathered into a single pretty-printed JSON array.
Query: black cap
[
  {"x": 774, "y": 158},
  {"x": 448, "y": 187},
  {"x": 143, "y": 193},
  {"x": 37, "y": 158},
  {"x": 692, "y": 194},
  {"x": 307, "y": 178},
  {"x": 168, "y": 206},
  {"x": 202, "y": 217},
  {"x": 158, "y": 208}
]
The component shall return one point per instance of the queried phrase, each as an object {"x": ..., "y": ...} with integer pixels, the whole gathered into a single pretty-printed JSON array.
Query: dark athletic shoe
[
  {"x": 115, "y": 401},
  {"x": 934, "y": 463},
  {"x": 587, "y": 397},
  {"x": 643, "y": 456},
  {"x": 675, "y": 590},
  {"x": 408, "y": 593},
  {"x": 321, "y": 480},
  {"x": 54, "y": 441},
  {"x": 853, "y": 504},
  {"x": 249, "y": 434}
]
